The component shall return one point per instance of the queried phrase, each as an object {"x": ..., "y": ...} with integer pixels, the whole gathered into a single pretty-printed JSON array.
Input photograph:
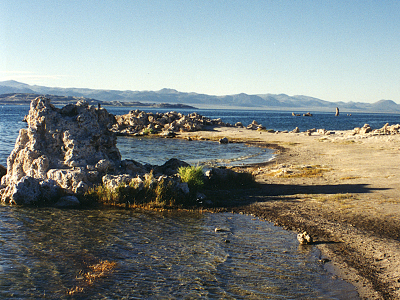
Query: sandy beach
[{"x": 341, "y": 188}]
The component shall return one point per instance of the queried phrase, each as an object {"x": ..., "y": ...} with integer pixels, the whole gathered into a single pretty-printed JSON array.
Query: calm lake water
[{"x": 48, "y": 253}]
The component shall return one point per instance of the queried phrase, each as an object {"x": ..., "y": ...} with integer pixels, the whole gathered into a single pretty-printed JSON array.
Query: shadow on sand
[{"x": 288, "y": 189}]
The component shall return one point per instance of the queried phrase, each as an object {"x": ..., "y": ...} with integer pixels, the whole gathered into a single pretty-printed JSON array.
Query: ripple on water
[
  {"x": 156, "y": 151},
  {"x": 157, "y": 255}
]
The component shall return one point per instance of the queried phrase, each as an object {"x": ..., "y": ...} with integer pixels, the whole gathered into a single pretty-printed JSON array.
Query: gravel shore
[{"x": 340, "y": 187}]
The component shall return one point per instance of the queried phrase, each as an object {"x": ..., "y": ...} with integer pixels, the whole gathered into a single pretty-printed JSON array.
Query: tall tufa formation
[{"x": 62, "y": 151}]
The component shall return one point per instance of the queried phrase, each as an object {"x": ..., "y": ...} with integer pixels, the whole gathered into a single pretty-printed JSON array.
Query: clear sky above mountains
[{"x": 332, "y": 50}]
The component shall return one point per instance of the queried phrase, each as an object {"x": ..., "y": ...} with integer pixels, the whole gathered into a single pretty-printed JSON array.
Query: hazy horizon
[{"x": 335, "y": 51}]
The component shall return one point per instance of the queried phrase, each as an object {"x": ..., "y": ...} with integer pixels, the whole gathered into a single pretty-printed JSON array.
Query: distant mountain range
[
  {"x": 171, "y": 96},
  {"x": 26, "y": 98}
]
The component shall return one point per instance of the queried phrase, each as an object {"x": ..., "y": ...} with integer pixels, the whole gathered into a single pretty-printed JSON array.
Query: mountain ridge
[{"x": 168, "y": 95}]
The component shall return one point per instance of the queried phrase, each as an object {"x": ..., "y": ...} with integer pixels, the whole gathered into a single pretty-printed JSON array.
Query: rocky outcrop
[
  {"x": 363, "y": 130},
  {"x": 255, "y": 126},
  {"x": 385, "y": 130},
  {"x": 388, "y": 129},
  {"x": 141, "y": 123},
  {"x": 66, "y": 151},
  {"x": 62, "y": 151}
]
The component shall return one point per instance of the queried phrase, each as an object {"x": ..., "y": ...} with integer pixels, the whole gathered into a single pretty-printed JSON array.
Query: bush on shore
[
  {"x": 167, "y": 192},
  {"x": 193, "y": 175}
]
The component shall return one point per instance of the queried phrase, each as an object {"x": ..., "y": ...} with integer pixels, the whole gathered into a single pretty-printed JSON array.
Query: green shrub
[
  {"x": 193, "y": 175},
  {"x": 148, "y": 131}
]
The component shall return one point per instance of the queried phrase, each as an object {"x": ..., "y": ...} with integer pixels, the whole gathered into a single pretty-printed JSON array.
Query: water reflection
[
  {"x": 47, "y": 252},
  {"x": 156, "y": 151}
]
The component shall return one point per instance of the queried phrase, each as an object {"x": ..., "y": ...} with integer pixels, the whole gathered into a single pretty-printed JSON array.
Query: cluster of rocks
[
  {"x": 255, "y": 126},
  {"x": 65, "y": 151},
  {"x": 62, "y": 153},
  {"x": 385, "y": 130},
  {"x": 304, "y": 115},
  {"x": 138, "y": 122}
]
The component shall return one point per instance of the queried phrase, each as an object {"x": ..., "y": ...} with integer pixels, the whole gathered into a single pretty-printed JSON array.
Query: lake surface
[
  {"x": 48, "y": 253},
  {"x": 56, "y": 254},
  {"x": 157, "y": 151}
]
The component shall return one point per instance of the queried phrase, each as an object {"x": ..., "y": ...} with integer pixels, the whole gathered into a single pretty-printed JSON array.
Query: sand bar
[{"x": 341, "y": 188}]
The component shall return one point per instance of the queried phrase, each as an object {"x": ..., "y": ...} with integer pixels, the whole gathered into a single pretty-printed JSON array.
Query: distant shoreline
[{"x": 26, "y": 98}]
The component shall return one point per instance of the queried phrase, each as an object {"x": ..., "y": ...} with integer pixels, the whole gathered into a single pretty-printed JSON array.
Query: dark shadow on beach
[
  {"x": 288, "y": 189},
  {"x": 265, "y": 192}
]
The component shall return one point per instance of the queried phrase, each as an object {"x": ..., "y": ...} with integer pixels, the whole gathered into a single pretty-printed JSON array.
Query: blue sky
[{"x": 333, "y": 50}]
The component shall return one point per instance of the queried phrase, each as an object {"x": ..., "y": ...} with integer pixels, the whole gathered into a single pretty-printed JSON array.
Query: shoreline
[{"x": 341, "y": 188}]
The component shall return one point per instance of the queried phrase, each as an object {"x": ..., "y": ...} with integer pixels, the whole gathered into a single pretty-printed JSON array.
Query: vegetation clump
[
  {"x": 162, "y": 193},
  {"x": 167, "y": 192},
  {"x": 193, "y": 175}
]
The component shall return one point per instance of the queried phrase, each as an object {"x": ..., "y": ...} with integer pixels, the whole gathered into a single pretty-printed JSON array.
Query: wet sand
[{"x": 341, "y": 188}]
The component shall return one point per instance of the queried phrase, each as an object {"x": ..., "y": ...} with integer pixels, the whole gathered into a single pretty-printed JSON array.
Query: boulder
[
  {"x": 304, "y": 238},
  {"x": 170, "y": 167},
  {"x": 220, "y": 174},
  {"x": 224, "y": 140},
  {"x": 67, "y": 201}
]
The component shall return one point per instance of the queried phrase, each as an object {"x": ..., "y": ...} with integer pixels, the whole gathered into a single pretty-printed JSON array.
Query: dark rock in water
[
  {"x": 67, "y": 201},
  {"x": 224, "y": 140},
  {"x": 3, "y": 171},
  {"x": 171, "y": 166},
  {"x": 307, "y": 114}
]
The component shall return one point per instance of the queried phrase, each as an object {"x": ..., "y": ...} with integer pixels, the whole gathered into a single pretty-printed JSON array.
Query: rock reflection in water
[
  {"x": 157, "y": 151},
  {"x": 155, "y": 255}
]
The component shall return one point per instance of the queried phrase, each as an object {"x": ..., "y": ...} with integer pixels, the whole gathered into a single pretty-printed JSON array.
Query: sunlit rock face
[
  {"x": 69, "y": 148},
  {"x": 139, "y": 122}
]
